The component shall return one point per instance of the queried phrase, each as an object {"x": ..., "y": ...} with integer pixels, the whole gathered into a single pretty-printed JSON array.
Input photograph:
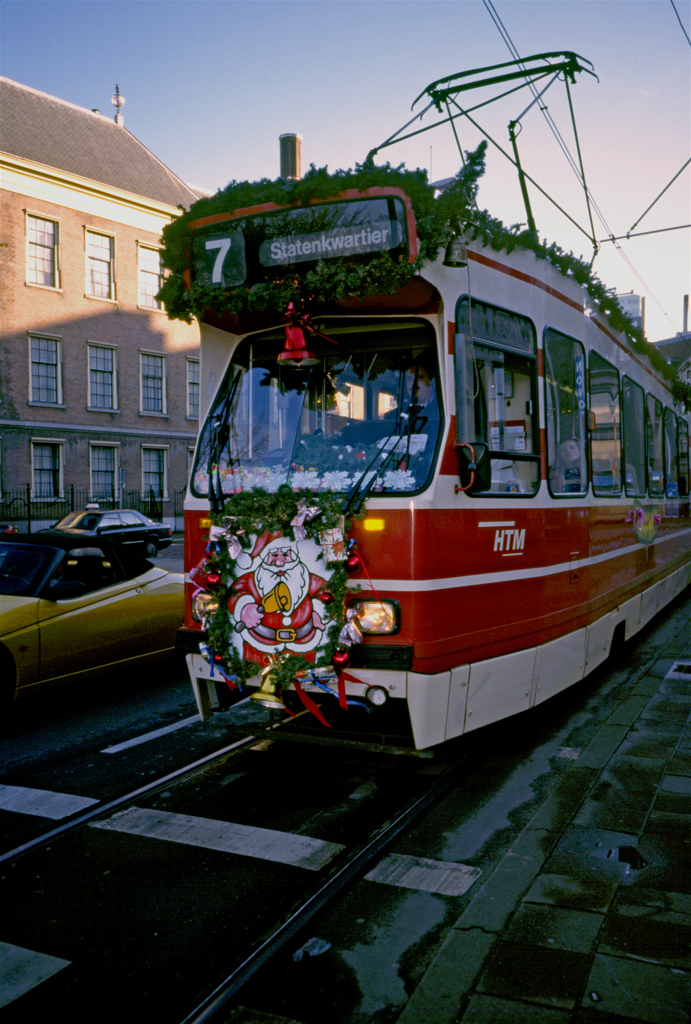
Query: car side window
[
  {"x": 91, "y": 567},
  {"x": 110, "y": 521},
  {"x": 129, "y": 519}
]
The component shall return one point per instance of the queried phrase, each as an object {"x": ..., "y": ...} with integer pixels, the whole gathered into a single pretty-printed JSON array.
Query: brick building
[{"x": 99, "y": 391}]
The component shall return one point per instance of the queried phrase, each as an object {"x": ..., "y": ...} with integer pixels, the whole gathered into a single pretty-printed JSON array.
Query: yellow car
[{"x": 70, "y": 606}]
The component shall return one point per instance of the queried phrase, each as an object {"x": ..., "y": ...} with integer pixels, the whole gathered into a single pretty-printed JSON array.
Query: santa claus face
[
  {"x": 282, "y": 578},
  {"x": 280, "y": 557}
]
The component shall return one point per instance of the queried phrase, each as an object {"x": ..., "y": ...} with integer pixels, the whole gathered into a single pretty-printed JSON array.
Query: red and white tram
[{"x": 524, "y": 469}]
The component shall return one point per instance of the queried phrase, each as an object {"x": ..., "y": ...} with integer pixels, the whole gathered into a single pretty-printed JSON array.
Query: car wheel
[{"x": 151, "y": 549}]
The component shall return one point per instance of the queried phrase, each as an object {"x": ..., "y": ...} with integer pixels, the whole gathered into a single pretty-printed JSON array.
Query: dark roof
[
  {"x": 677, "y": 349},
  {"x": 49, "y": 131}
]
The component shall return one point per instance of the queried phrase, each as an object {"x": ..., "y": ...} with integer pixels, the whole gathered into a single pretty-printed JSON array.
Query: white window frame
[
  {"x": 111, "y": 296},
  {"x": 33, "y": 400},
  {"x": 59, "y": 443},
  {"x": 190, "y": 414},
  {"x": 55, "y": 250},
  {"x": 164, "y": 448},
  {"x": 90, "y": 346},
  {"x": 163, "y": 411},
  {"x": 115, "y": 446},
  {"x": 145, "y": 275}
]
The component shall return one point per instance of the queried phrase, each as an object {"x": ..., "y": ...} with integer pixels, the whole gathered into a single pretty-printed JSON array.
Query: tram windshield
[{"x": 367, "y": 415}]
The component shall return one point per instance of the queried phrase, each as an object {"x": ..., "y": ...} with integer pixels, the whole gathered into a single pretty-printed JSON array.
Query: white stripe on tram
[
  {"x": 225, "y": 836},
  {"x": 43, "y": 803},
  {"x": 508, "y": 575},
  {"x": 23, "y": 969}
]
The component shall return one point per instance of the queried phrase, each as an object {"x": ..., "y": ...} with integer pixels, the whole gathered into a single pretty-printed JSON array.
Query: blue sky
[{"x": 211, "y": 84}]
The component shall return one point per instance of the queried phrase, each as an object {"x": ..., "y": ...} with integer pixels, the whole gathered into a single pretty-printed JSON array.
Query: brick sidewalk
[{"x": 587, "y": 918}]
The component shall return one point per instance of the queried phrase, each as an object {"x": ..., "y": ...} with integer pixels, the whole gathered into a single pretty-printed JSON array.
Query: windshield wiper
[{"x": 355, "y": 497}]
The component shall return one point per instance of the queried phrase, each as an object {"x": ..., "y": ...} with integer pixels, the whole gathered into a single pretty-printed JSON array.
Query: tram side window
[
  {"x": 634, "y": 439},
  {"x": 565, "y": 414},
  {"x": 653, "y": 429},
  {"x": 498, "y": 349},
  {"x": 671, "y": 457},
  {"x": 683, "y": 457},
  {"x": 605, "y": 426}
]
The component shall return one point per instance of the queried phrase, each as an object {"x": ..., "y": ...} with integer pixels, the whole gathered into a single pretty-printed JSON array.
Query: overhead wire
[
  {"x": 681, "y": 24},
  {"x": 589, "y": 198}
]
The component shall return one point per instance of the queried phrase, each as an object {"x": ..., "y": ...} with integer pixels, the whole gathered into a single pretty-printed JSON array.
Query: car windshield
[
  {"x": 79, "y": 520},
  {"x": 365, "y": 413},
  {"x": 23, "y": 568}
]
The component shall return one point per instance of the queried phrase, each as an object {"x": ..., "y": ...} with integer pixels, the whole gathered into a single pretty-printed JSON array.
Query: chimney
[
  {"x": 686, "y": 314},
  {"x": 291, "y": 167}
]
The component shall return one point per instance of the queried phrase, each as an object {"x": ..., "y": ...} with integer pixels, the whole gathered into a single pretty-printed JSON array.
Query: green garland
[
  {"x": 254, "y": 512},
  {"x": 437, "y": 220}
]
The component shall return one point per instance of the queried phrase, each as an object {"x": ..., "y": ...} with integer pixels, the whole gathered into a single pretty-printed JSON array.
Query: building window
[
  {"x": 100, "y": 266},
  {"x": 150, "y": 277},
  {"x": 103, "y": 471},
  {"x": 47, "y": 469},
  {"x": 46, "y": 370},
  {"x": 193, "y": 389},
  {"x": 153, "y": 378},
  {"x": 102, "y": 378},
  {"x": 154, "y": 472},
  {"x": 42, "y": 236}
]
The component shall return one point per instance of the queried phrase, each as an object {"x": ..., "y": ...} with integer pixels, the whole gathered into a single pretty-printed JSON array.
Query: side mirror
[{"x": 474, "y": 466}]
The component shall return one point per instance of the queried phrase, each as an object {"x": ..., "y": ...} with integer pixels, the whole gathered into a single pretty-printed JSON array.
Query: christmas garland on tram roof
[{"x": 439, "y": 217}]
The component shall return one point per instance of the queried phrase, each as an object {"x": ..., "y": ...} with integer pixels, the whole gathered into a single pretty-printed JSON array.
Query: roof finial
[{"x": 118, "y": 101}]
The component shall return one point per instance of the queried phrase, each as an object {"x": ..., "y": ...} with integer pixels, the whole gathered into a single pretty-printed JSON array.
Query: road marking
[
  {"x": 23, "y": 969},
  {"x": 145, "y": 737},
  {"x": 440, "y": 876},
  {"x": 42, "y": 802},
  {"x": 225, "y": 836}
]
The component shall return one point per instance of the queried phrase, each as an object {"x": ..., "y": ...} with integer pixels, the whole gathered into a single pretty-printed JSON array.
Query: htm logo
[{"x": 509, "y": 540}]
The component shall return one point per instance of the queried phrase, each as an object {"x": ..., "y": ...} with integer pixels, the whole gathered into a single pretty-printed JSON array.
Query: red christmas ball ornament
[
  {"x": 353, "y": 562},
  {"x": 218, "y": 657},
  {"x": 326, "y": 597},
  {"x": 213, "y": 579},
  {"x": 341, "y": 659}
]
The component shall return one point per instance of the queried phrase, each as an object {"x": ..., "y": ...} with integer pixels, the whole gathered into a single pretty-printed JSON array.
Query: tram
[{"x": 439, "y": 501}]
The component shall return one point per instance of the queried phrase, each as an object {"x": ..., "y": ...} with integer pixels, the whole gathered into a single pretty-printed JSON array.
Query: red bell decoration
[
  {"x": 340, "y": 659},
  {"x": 213, "y": 579},
  {"x": 295, "y": 352},
  {"x": 325, "y": 597},
  {"x": 353, "y": 562}
]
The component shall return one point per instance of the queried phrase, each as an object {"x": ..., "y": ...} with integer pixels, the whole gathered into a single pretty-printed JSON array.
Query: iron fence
[{"x": 23, "y": 511}]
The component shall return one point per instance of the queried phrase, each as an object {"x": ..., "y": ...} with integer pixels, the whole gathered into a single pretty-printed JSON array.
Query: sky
[{"x": 210, "y": 85}]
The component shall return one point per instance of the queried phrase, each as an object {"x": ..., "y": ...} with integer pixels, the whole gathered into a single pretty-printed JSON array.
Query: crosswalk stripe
[
  {"x": 147, "y": 736},
  {"x": 440, "y": 876},
  {"x": 23, "y": 969},
  {"x": 225, "y": 836},
  {"x": 43, "y": 803}
]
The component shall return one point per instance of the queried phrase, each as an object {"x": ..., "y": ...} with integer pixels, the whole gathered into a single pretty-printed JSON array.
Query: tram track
[
  {"x": 100, "y": 809},
  {"x": 100, "y": 898},
  {"x": 211, "y": 1008}
]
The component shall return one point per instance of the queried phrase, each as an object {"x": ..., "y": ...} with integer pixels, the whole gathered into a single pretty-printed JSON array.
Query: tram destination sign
[{"x": 234, "y": 250}]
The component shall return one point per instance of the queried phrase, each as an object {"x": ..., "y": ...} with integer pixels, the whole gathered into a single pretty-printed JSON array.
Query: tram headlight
[
  {"x": 203, "y": 604},
  {"x": 377, "y": 617}
]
